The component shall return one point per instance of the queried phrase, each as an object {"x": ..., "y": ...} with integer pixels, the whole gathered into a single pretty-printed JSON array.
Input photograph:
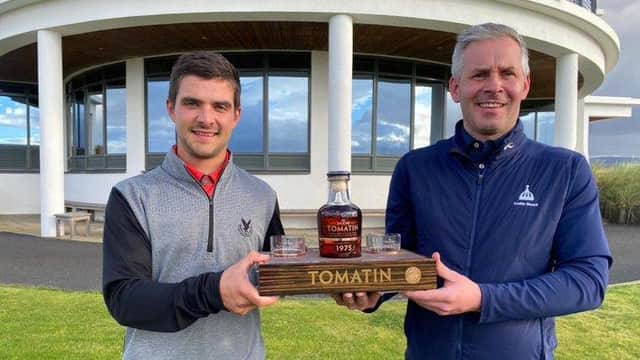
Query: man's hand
[
  {"x": 357, "y": 301},
  {"x": 238, "y": 294},
  {"x": 458, "y": 295}
]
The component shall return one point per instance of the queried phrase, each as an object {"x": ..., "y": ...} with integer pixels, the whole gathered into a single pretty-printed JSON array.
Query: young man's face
[
  {"x": 491, "y": 87},
  {"x": 205, "y": 116}
]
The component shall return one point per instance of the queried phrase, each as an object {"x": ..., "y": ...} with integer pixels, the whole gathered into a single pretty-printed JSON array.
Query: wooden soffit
[{"x": 90, "y": 49}]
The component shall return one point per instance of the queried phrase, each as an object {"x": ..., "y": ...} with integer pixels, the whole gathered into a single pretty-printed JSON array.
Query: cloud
[
  {"x": 622, "y": 145},
  {"x": 251, "y": 91},
  {"x": 14, "y": 141},
  {"x": 620, "y": 136}
]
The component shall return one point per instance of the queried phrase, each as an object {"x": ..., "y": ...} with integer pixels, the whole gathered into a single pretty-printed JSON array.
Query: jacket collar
[
  {"x": 175, "y": 167},
  {"x": 508, "y": 145}
]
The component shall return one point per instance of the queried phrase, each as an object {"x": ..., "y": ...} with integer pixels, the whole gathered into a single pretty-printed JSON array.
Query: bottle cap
[{"x": 333, "y": 174}]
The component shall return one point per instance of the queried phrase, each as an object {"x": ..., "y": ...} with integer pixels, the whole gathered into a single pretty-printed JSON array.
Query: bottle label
[{"x": 340, "y": 237}]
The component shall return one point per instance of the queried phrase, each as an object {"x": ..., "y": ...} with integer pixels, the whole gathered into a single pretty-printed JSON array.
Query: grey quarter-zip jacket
[{"x": 165, "y": 247}]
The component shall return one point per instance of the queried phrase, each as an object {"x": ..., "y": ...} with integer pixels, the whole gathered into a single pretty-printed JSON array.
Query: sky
[{"x": 620, "y": 136}]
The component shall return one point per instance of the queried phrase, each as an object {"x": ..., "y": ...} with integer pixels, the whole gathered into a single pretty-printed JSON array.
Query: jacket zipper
[
  {"x": 210, "y": 241},
  {"x": 476, "y": 207}
]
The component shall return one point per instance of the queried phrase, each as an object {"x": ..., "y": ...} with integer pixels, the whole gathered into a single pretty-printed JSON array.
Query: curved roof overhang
[{"x": 101, "y": 32}]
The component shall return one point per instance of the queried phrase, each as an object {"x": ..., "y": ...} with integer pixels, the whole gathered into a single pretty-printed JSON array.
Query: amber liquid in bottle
[{"x": 339, "y": 221}]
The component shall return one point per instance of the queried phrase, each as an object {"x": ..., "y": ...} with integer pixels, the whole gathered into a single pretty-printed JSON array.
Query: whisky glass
[
  {"x": 385, "y": 244},
  {"x": 285, "y": 245}
]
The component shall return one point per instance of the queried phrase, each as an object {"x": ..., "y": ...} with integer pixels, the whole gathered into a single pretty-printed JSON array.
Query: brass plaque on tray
[{"x": 312, "y": 274}]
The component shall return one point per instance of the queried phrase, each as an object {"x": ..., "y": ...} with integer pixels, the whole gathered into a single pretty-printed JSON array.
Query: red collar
[{"x": 208, "y": 182}]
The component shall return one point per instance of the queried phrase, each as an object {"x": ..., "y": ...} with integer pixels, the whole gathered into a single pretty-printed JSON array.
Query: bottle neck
[{"x": 339, "y": 192}]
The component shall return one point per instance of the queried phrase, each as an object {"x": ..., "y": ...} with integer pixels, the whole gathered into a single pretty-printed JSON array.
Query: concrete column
[
  {"x": 136, "y": 131},
  {"x": 582, "y": 143},
  {"x": 50, "y": 95},
  {"x": 340, "y": 73},
  {"x": 566, "y": 101}
]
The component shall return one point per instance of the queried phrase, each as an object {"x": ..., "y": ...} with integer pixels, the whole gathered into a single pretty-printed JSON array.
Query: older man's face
[{"x": 491, "y": 87}]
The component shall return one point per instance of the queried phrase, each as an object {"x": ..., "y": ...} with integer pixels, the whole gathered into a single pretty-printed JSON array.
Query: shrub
[{"x": 619, "y": 188}]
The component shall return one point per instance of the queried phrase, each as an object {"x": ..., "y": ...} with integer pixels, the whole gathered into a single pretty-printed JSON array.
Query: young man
[
  {"x": 180, "y": 240},
  {"x": 516, "y": 222}
]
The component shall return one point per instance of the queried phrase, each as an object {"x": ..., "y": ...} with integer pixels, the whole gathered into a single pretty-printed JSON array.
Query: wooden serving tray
[{"x": 312, "y": 274}]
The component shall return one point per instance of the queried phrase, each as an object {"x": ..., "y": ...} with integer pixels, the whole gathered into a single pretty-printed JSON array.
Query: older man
[{"x": 516, "y": 222}]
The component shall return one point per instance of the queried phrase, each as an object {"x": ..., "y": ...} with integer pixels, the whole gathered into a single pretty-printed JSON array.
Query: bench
[
  {"x": 95, "y": 210},
  {"x": 72, "y": 218}
]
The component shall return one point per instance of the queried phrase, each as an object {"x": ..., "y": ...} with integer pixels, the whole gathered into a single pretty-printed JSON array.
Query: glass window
[
  {"x": 361, "y": 116},
  {"x": 247, "y": 136},
  {"x": 13, "y": 121},
  {"x": 422, "y": 116},
  {"x": 453, "y": 114},
  {"x": 288, "y": 114},
  {"x": 273, "y": 132},
  {"x": 95, "y": 123},
  {"x": 546, "y": 122},
  {"x": 529, "y": 124},
  {"x": 96, "y": 119},
  {"x": 394, "y": 106},
  {"x": 160, "y": 129},
  {"x": 79, "y": 134},
  {"x": 19, "y": 127},
  {"x": 116, "y": 120},
  {"x": 34, "y": 125},
  {"x": 393, "y": 117}
]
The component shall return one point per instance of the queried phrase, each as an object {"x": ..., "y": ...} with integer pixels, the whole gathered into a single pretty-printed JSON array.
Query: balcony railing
[{"x": 588, "y": 4}]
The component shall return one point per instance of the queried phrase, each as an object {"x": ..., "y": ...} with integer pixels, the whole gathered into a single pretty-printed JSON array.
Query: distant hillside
[{"x": 605, "y": 160}]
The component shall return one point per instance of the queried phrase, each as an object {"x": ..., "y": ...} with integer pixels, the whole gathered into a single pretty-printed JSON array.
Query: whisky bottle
[{"x": 339, "y": 221}]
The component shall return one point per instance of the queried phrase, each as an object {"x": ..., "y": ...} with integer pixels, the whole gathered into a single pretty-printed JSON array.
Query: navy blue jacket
[{"x": 524, "y": 224}]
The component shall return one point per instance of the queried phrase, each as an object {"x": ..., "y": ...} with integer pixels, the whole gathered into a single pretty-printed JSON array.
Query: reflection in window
[
  {"x": 361, "y": 116},
  {"x": 34, "y": 125},
  {"x": 96, "y": 129},
  {"x": 288, "y": 114},
  {"x": 453, "y": 114},
  {"x": 13, "y": 121},
  {"x": 160, "y": 129},
  {"x": 19, "y": 128},
  {"x": 546, "y": 122},
  {"x": 422, "y": 116},
  {"x": 95, "y": 123},
  {"x": 393, "y": 117},
  {"x": 79, "y": 134},
  {"x": 116, "y": 120},
  {"x": 247, "y": 136},
  {"x": 529, "y": 124}
]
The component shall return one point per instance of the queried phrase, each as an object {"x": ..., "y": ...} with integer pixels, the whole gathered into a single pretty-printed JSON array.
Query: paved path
[
  {"x": 73, "y": 265},
  {"x": 26, "y": 259}
]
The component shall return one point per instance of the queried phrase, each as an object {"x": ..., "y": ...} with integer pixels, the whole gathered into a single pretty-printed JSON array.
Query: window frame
[
  {"x": 29, "y": 95},
  {"x": 535, "y": 107},
  {"x": 373, "y": 163},
  {"x": 85, "y": 83},
  {"x": 264, "y": 162}
]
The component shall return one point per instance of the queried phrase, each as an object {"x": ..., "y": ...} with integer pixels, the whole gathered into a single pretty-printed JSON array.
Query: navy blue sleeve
[
  {"x": 131, "y": 296},
  {"x": 582, "y": 259},
  {"x": 274, "y": 228}
]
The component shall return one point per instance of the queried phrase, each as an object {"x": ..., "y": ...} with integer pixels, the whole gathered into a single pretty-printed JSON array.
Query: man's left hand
[{"x": 458, "y": 295}]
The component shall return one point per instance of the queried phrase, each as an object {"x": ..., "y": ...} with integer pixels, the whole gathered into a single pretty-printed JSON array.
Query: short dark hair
[{"x": 206, "y": 65}]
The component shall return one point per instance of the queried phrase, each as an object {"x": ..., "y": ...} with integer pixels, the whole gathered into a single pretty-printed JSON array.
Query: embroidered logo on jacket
[
  {"x": 244, "y": 228},
  {"x": 526, "y": 198}
]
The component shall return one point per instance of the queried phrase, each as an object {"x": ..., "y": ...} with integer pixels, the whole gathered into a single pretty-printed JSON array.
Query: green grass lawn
[{"x": 52, "y": 324}]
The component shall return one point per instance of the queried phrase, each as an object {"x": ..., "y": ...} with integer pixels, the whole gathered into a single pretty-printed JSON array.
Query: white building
[{"x": 327, "y": 85}]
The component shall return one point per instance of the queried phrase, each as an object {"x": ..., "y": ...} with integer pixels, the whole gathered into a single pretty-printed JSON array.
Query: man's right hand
[
  {"x": 357, "y": 301},
  {"x": 238, "y": 294}
]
